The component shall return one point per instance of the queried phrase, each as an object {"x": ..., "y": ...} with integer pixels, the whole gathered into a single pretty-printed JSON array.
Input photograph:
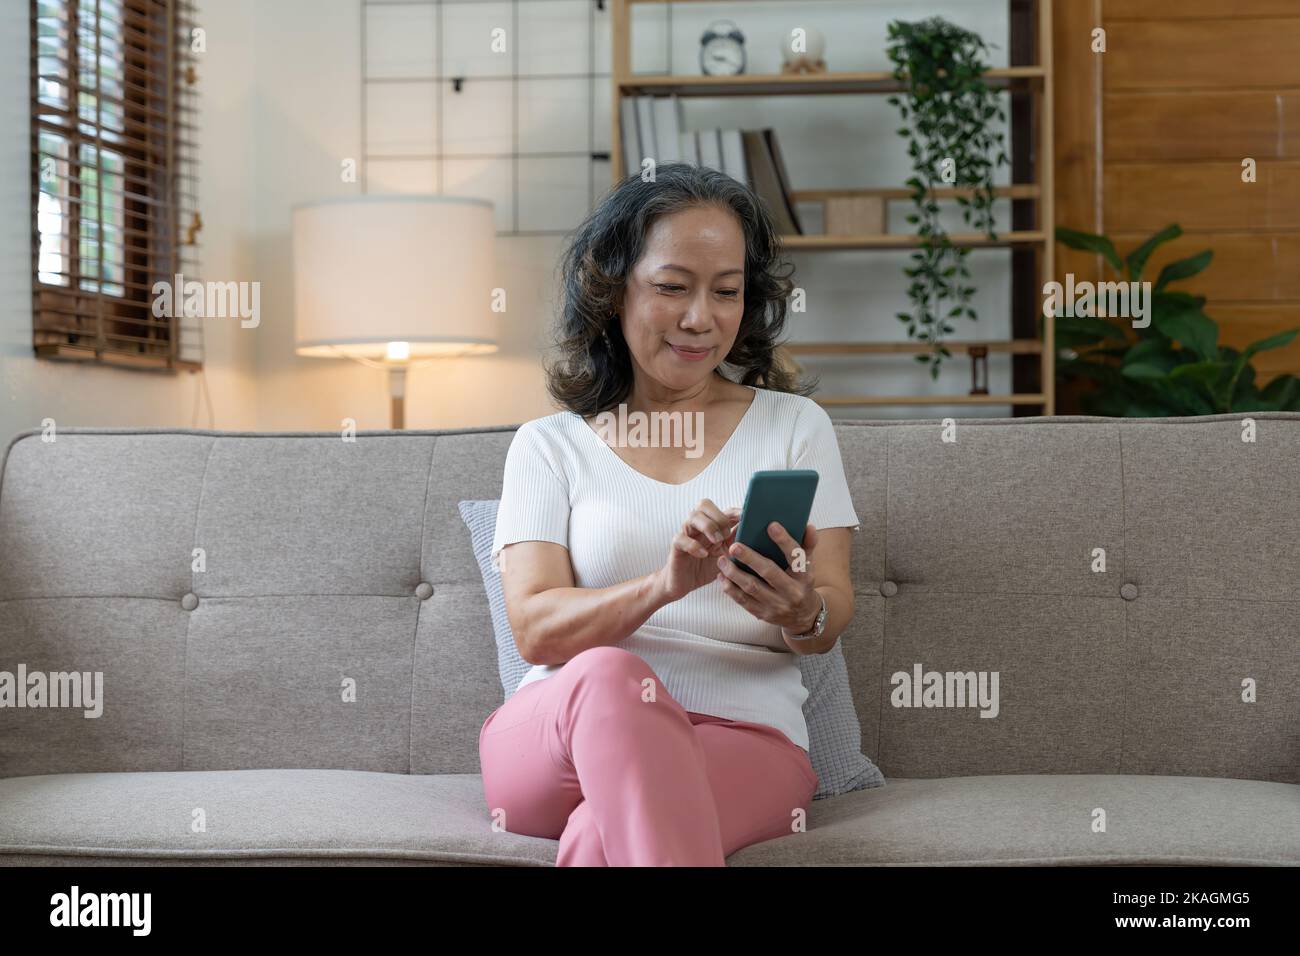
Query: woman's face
[{"x": 684, "y": 298}]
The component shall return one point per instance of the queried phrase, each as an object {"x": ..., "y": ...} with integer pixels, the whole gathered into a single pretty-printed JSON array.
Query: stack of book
[{"x": 652, "y": 127}]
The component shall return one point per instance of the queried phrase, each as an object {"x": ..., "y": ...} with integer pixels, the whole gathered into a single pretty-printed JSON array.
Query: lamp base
[{"x": 397, "y": 395}]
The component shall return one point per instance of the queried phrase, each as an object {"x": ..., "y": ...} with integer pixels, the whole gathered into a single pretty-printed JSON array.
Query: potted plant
[
  {"x": 947, "y": 109},
  {"x": 1175, "y": 365}
]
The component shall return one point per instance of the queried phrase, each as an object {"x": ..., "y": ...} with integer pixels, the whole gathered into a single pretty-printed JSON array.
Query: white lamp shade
[{"x": 374, "y": 270}]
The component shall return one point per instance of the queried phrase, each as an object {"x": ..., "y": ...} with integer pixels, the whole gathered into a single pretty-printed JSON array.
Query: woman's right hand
[{"x": 693, "y": 556}]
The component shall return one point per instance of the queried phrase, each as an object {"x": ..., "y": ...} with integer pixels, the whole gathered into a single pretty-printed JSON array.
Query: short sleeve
[
  {"x": 534, "y": 494},
  {"x": 816, "y": 447}
]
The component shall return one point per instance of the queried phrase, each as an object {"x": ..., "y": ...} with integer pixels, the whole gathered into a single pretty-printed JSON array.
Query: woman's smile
[{"x": 689, "y": 353}]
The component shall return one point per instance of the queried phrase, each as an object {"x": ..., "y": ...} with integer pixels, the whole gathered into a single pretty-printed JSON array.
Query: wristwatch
[{"x": 819, "y": 625}]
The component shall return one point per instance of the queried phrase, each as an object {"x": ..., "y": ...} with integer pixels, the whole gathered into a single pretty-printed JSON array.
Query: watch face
[{"x": 722, "y": 56}]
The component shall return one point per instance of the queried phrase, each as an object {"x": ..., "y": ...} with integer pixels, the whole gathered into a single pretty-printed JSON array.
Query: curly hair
[{"x": 593, "y": 370}]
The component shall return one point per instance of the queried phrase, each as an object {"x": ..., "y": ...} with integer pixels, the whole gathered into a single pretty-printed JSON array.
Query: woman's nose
[{"x": 696, "y": 318}]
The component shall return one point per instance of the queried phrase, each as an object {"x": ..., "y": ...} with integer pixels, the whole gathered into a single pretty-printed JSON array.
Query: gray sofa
[{"x": 314, "y": 693}]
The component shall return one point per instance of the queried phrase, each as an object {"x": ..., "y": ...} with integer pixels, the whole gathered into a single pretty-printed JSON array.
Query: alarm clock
[{"x": 722, "y": 51}]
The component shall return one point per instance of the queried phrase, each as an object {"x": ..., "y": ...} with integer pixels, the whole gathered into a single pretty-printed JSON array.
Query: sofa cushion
[
  {"x": 834, "y": 736},
  {"x": 1046, "y": 819},
  {"x": 256, "y": 816},
  {"x": 346, "y": 817}
]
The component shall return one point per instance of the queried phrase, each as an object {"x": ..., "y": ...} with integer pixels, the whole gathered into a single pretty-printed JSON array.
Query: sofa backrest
[{"x": 294, "y": 600}]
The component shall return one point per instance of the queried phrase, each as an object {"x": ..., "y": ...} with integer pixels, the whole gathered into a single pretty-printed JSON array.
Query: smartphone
[{"x": 785, "y": 497}]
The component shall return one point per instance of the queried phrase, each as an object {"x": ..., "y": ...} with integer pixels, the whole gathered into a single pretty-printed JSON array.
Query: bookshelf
[{"x": 1033, "y": 82}]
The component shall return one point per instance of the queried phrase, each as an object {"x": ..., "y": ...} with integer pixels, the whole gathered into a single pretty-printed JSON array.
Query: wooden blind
[{"x": 114, "y": 178}]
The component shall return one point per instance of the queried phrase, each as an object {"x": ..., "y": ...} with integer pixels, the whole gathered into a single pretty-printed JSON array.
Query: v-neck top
[{"x": 563, "y": 484}]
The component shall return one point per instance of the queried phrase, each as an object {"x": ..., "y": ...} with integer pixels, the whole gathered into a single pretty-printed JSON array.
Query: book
[
  {"x": 769, "y": 135},
  {"x": 711, "y": 149},
  {"x": 691, "y": 146},
  {"x": 733, "y": 154},
  {"x": 668, "y": 128},
  {"x": 767, "y": 178},
  {"x": 632, "y": 151},
  {"x": 645, "y": 129}
]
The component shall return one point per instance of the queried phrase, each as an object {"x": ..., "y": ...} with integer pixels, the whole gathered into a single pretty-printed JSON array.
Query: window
[{"x": 113, "y": 180}]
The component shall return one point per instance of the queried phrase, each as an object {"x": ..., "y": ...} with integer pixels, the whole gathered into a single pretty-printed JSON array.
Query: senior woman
[{"x": 662, "y": 722}]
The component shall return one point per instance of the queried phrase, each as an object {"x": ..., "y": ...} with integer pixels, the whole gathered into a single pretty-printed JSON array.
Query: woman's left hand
[{"x": 782, "y": 597}]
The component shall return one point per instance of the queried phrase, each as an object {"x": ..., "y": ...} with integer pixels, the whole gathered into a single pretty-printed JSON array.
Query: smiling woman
[
  {"x": 690, "y": 231},
  {"x": 664, "y": 686}
]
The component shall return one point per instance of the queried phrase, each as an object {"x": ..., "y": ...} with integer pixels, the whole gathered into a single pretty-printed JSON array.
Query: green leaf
[
  {"x": 1203, "y": 372},
  {"x": 1090, "y": 242},
  {"x": 1153, "y": 352},
  {"x": 1074, "y": 330},
  {"x": 1183, "y": 268},
  {"x": 1143, "y": 371},
  {"x": 1137, "y": 259},
  {"x": 1193, "y": 330},
  {"x": 1272, "y": 342},
  {"x": 1284, "y": 391},
  {"x": 1184, "y": 398}
]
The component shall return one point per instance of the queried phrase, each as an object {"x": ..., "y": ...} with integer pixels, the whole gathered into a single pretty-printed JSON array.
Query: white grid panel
[{"x": 524, "y": 123}]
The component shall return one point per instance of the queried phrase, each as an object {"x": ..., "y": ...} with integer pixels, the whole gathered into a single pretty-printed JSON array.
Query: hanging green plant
[{"x": 948, "y": 111}]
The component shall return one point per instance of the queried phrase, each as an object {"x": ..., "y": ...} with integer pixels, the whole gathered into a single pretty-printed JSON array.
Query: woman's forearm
[{"x": 561, "y": 622}]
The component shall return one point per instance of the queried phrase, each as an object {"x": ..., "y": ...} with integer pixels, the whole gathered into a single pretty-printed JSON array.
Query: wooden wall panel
[
  {"x": 1161, "y": 121},
  {"x": 1247, "y": 266},
  {"x": 1258, "y": 53},
  {"x": 1197, "y": 9},
  {"x": 1219, "y": 125},
  {"x": 1077, "y": 121},
  {"x": 1201, "y": 196}
]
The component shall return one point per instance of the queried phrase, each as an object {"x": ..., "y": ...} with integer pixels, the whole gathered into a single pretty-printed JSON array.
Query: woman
[{"x": 662, "y": 721}]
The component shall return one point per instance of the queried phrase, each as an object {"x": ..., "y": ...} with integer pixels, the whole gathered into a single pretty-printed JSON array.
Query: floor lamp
[{"x": 395, "y": 281}]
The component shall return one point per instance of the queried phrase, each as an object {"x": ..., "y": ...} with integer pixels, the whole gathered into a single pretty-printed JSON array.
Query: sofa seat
[{"x": 315, "y": 817}]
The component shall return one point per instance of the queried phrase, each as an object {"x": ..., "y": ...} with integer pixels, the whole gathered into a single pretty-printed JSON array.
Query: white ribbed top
[{"x": 563, "y": 484}]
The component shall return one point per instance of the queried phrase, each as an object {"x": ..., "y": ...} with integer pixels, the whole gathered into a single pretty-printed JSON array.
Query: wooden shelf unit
[
  {"x": 1003, "y": 346},
  {"x": 1035, "y": 80}
]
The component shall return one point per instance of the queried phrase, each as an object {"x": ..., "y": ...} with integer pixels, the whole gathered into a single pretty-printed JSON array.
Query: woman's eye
[{"x": 730, "y": 293}]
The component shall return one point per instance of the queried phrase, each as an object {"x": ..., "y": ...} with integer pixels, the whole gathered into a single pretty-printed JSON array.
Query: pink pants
[{"x": 620, "y": 780}]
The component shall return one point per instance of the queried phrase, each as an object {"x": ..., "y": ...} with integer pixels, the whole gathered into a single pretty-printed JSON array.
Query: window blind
[{"x": 114, "y": 179}]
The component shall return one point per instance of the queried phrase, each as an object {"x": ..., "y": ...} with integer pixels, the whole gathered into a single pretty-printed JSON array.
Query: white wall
[{"x": 76, "y": 394}]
